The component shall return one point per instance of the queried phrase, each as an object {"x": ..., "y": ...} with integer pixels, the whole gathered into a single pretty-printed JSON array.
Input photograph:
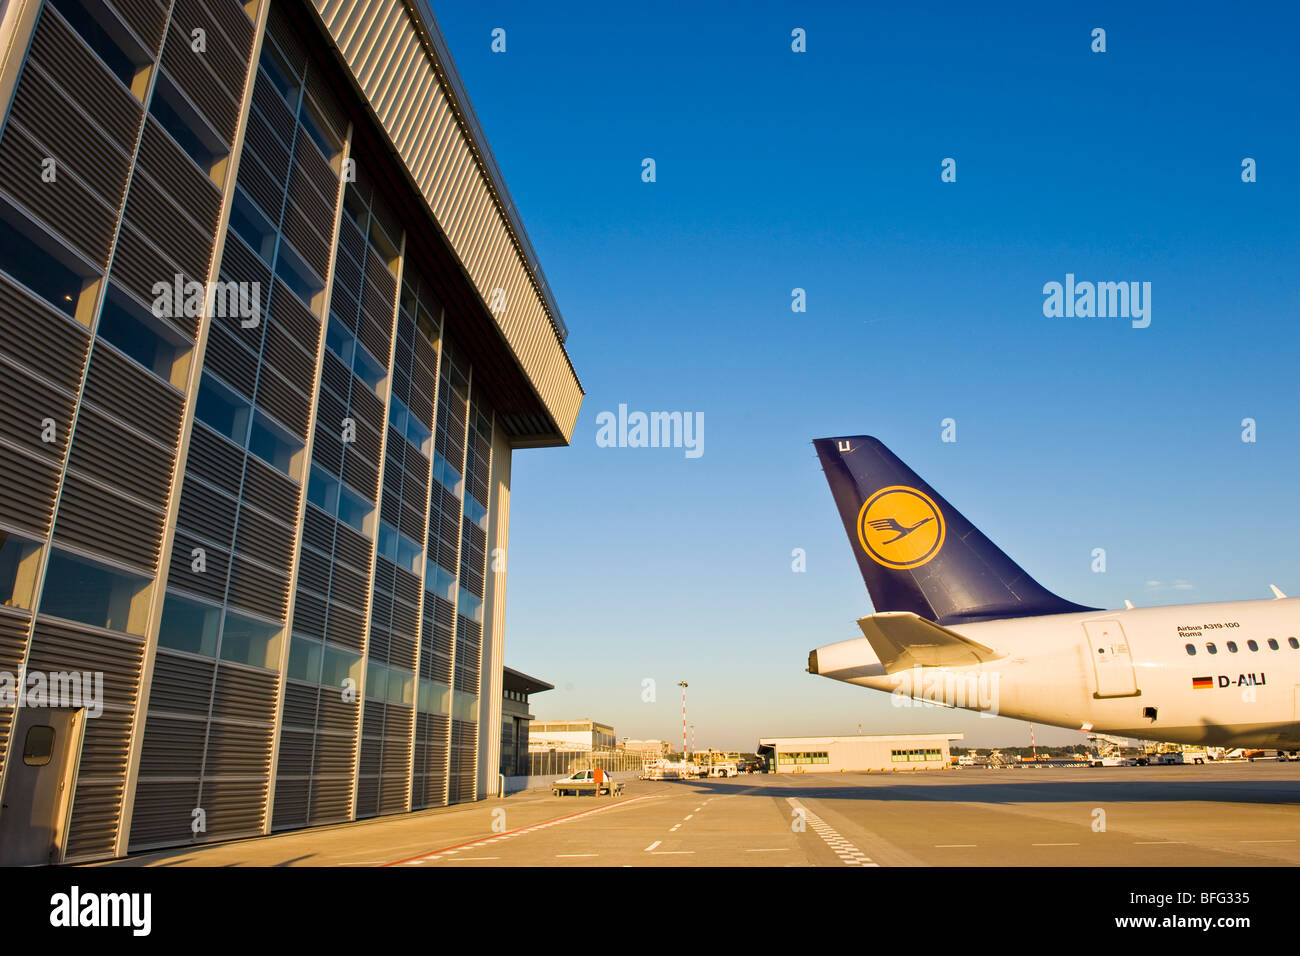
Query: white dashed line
[
  {"x": 440, "y": 854},
  {"x": 653, "y": 845},
  {"x": 849, "y": 854}
]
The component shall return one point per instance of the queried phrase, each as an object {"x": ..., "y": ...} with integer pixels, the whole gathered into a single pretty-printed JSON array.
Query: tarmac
[{"x": 1230, "y": 815}]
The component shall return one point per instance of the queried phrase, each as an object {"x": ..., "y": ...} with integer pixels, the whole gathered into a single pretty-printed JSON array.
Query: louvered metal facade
[{"x": 270, "y": 330}]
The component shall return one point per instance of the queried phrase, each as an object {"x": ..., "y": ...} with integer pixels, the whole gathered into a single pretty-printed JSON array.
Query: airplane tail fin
[{"x": 915, "y": 551}]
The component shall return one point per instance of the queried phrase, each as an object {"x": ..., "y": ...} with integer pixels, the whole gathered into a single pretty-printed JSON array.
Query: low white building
[
  {"x": 857, "y": 753},
  {"x": 569, "y": 735}
]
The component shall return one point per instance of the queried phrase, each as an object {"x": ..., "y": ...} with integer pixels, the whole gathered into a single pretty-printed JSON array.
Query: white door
[
  {"x": 38, "y": 791},
  {"x": 1112, "y": 660}
]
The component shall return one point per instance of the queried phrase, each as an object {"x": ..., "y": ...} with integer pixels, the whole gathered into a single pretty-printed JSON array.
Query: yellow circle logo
[{"x": 900, "y": 527}]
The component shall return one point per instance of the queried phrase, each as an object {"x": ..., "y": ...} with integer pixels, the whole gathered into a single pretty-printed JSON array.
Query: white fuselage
[{"x": 1125, "y": 672}]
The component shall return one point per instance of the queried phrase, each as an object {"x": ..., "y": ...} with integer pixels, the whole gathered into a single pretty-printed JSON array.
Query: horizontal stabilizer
[{"x": 902, "y": 640}]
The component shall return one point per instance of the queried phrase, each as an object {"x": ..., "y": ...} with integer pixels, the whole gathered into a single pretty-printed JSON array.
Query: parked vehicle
[
  {"x": 586, "y": 781},
  {"x": 1113, "y": 760}
]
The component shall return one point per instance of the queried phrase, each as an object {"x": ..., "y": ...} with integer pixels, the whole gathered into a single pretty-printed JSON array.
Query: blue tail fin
[{"x": 916, "y": 552}]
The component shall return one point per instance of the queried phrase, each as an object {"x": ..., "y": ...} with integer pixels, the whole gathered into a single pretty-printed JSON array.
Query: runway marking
[
  {"x": 434, "y": 855},
  {"x": 1266, "y": 841},
  {"x": 1159, "y": 843},
  {"x": 849, "y": 854},
  {"x": 653, "y": 845},
  {"x": 687, "y": 817}
]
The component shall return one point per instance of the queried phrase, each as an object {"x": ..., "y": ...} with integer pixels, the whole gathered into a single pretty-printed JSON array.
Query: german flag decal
[{"x": 1200, "y": 683}]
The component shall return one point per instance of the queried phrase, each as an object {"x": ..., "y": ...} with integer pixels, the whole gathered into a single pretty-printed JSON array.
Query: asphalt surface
[{"x": 1240, "y": 814}]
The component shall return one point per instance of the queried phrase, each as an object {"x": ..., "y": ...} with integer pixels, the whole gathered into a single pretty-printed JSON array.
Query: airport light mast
[{"x": 682, "y": 685}]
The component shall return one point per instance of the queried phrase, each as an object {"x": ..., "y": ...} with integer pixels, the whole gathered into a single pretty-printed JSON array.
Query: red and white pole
[{"x": 682, "y": 685}]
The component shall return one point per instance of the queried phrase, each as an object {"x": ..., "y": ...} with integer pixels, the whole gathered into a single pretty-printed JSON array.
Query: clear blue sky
[{"x": 821, "y": 170}]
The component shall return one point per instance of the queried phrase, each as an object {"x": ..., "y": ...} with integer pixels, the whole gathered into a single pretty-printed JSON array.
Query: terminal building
[
  {"x": 271, "y": 331},
  {"x": 517, "y": 688},
  {"x": 650, "y": 748},
  {"x": 857, "y": 753},
  {"x": 570, "y": 735}
]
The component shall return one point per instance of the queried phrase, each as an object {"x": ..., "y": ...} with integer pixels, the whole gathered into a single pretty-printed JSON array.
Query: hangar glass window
[
  {"x": 338, "y": 500},
  {"x": 469, "y": 605},
  {"x": 409, "y": 426},
  {"x": 1272, "y": 643},
  {"x": 251, "y": 225},
  {"x": 223, "y": 410},
  {"x": 135, "y": 333},
  {"x": 304, "y": 659},
  {"x": 1191, "y": 650},
  {"x": 448, "y": 476},
  {"x": 464, "y": 706},
  {"x": 299, "y": 277},
  {"x": 275, "y": 445},
  {"x": 339, "y": 665},
  {"x": 24, "y": 254},
  {"x": 315, "y": 128},
  {"x": 399, "y": 549},
  {"x": 799, "y": 757},
  {"x": 475, "y": 512},
  {"x": 174, "y": 113},
  {"x": 919, "y": 754},
  {"x": 435, "y": 698},
  {"x": 112, "y": 52},
  {"x": 19, "y": 562},
  {"x": 280, "y": 75},
  {"x": 189, "y": 626},
  {"x": 245, "y": 640},
  {"x": 438, "y": 580},
  {"x": 90, "y": 593},
  {"x": 355, "y": 510}
]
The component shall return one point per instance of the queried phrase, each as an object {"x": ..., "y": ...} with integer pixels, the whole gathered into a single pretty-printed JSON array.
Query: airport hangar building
[
  {"x": 274, "y": 522},
  {"x": 857, "y": 752}
]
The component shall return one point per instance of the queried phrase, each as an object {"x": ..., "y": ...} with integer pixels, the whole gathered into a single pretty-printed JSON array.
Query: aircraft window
[
  {"x": 1191, "y": 650},
  {"x": 1232, "y": 646},
  {"x": 1253, "y": 645},
  {"x": 1211, "y": 648},
  {"x": 1293, "y": 642},
  {"x": 1272, "y": 643}
]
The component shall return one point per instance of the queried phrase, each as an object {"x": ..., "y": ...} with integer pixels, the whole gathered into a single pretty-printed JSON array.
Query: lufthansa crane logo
[{"x": 900, "y": 527}]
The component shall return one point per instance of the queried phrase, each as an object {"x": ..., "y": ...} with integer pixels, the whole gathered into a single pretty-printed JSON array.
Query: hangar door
[{"x": 1112, "y": 661}]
